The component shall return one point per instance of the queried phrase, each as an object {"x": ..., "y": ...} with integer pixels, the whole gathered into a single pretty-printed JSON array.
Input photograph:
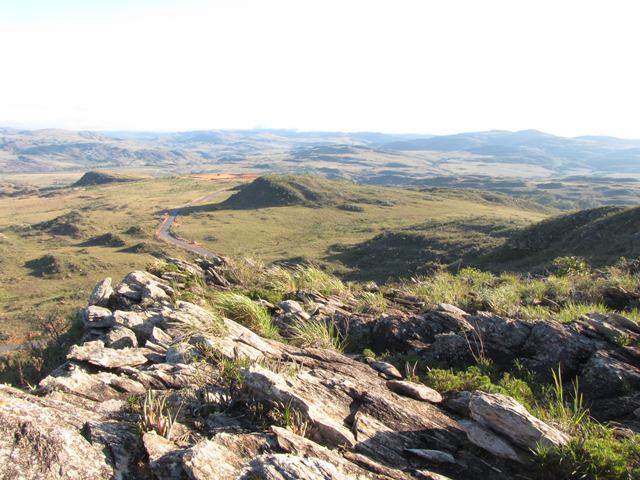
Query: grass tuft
[
  {"x": 245, "y": 311},
  {"x": 317, "y": 333}
]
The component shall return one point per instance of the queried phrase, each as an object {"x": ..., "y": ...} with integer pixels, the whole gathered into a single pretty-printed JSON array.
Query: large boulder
[
  {"x": 101, "y": 293},
  {"x": 506, "y": 416},
  {"x": 42, "y": 438}
]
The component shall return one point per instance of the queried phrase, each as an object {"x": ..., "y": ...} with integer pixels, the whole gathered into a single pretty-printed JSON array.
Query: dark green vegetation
[
  {"x": 309, "y": 191},
  {"x": 419, "y": 249},
  {"x": 101, "y": 178},
  {"x": 599, "y": 235},
  {"x": 363, "y": 231}
]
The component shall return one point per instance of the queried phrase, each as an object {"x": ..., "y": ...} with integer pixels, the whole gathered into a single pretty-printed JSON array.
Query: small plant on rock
[
  {"x": 156, "y": 416},
  {"x": 290, "y": 418}
]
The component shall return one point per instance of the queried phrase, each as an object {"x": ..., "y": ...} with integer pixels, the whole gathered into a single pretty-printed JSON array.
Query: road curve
[{"x": 164, "y": 230}]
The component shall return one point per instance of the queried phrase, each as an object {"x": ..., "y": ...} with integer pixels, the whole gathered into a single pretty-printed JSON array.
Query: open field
[
  {"x": 52, "y": 267},
  {"x": 351, "y": 215}
]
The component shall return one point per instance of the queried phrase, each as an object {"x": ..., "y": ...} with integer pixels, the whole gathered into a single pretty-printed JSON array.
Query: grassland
[
  {"x": 332, "y": 218},
  {"x": 55, "y": 246}
]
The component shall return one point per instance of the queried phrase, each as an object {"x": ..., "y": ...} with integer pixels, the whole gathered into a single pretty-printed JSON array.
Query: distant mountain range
[{"x": 368, "y": 156}]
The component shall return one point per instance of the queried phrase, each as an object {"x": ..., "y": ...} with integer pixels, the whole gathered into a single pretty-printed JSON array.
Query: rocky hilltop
[{"x": 161, "y": 387}]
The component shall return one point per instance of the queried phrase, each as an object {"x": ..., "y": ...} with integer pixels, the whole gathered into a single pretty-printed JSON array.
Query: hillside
[
  {"x": 539, "y": 166},
  {"x": 101, "y": 178},
  {"x": 306, "y": 218},
  {"x": 309, "y": 191},
  {"x": 184, "y": 371},
  {"x": 600, "y": 235}
]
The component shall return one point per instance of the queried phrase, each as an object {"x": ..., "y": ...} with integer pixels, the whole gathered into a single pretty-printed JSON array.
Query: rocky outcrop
[
  {"x": 246, "y": 407},
  {"x": 600, "y": 349}
]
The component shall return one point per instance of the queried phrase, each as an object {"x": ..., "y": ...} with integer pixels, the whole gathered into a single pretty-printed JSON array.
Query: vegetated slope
[
  {"x": 304, "y": 190},
  {"x": 419, "y": 249},
  {"x": 364, "y": 231},
  {"x": 101, "y": 178},
  {"x": 600, "y": 235}
]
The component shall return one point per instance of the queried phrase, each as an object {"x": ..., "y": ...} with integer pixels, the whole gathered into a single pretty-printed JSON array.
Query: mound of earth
[
  {"x": 105, "y": 240},
  {"x": 46, "y": 265},
  {"x": 101, "y": 178},
  {"x": 283, "y": 190},
  {"x": 143, "y": 247},
  {"x": 66, "y": 225},
  {"x": 135, "y": 231}
]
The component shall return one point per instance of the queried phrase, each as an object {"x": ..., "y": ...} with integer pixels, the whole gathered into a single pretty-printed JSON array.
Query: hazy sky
[{"x": 432, "y": 66}]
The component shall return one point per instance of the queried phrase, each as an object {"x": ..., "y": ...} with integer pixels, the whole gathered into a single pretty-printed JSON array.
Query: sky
[{"x": 568, "y": 67}]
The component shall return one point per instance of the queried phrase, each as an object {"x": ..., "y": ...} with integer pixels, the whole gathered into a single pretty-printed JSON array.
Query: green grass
[
  {"x": 245, "y": 311},
  {"x": 109, "y": 209},
  {"x": 324, "y": 234},
  {"x": 317, "y": 333},
  {"x": 573, "y": 311},
  {"x": 312, "y": 278},
  {"x": 371, "y": 302}
]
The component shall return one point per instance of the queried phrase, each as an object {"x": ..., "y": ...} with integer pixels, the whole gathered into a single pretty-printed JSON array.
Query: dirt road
[{"x": 164, "y": 231}]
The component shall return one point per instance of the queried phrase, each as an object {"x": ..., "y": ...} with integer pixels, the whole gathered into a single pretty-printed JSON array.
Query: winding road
[{"x": 164, "y": 230}]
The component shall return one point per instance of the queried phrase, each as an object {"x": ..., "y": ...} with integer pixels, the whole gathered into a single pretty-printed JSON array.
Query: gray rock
[
  {"x": 386, "y": 369},
  {"x": 101, "y": 293},
  {"x": 209, "y": 459},
  {"x": 288, "y": 467},
  {"x": 434, "y": 456},
  {"x": 601, "y": 324},
  {"x": 120, "y": 337},
  {"x": 180, "y": 353},
  {"x": 606, "y": 376},
  {"x": 506, "y": 416},
  {"x": 165, "y": 458},
  {"x": 41, "y": 438},
  {"x": 160, "y": 337},
  {"x": 132, "y": 292},
  {"x": 97, "y": 317},
  {"x": 489, "y": 441},
  {"x": 294, "y": 308},
  {"x": 458, "y": 402},
  {"x": 95, "y": 353},
  {"x": 153, "y": 293},
  {"x": 413, "y": 390}
]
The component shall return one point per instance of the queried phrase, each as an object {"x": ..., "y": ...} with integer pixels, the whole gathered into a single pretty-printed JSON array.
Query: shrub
[
  {"x": 159, "y": 267},
  {"x": 445, "y": 381},
  {"x": 274, "y": 297},
  {"x": 571, "y": 266},
  {"x": 368, "y": 353},
  {"x": 597, "y": 455}
]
